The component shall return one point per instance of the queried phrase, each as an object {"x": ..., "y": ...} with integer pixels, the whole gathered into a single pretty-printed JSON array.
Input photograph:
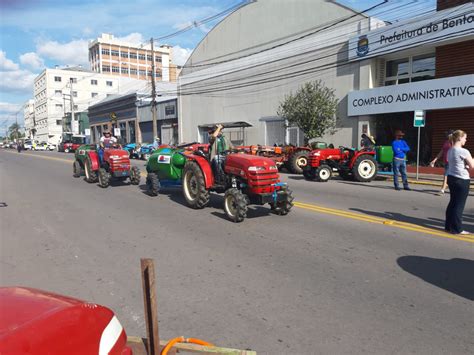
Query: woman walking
[{"x": 460, "y": 161}]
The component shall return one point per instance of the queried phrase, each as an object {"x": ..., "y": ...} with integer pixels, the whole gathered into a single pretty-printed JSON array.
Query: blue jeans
[
  {"x": 400, "y": 168},
  {"x": 100, "y": 152},
  {"x": 459, "y": 190}
]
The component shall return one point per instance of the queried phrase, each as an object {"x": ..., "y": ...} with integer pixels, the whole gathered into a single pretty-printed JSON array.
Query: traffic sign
[{"x": 419, "y": 119}]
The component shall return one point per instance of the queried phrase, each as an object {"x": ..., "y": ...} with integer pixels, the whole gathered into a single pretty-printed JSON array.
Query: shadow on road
[
  {"x": 454, "y": 275},
  {"x": 428, "y": 223}
]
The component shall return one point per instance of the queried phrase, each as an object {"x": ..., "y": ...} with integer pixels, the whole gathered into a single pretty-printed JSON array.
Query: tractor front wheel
[
  {"x": 134, "y": 175},
  {"x": 104, "y": 178},
  {"x": 323, "y": 173},
  {"x": 365, "y": 168},
  {"x": 153, "y": 184},
  {"x": 91, "y": 175},
  {"x": 194, "y": 186},
  {"x": 235, "y": 205},
  {"x": 298, "y": 161},
  {"x": 77, "y": 169},
  {"x": 309, "y": 174},
  {"x": 282, "y": 208}
]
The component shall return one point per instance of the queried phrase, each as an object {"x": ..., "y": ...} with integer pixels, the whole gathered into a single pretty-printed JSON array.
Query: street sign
[
  {"x": 419, "y": 119},
  {"x": 117, "y": 132},
  {"x": 87, "y": 131}
]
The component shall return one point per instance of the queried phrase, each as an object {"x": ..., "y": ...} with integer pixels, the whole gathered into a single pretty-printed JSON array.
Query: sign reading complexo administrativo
[
  {"x": 457, "y": 91},
  {"x": 436, "y": 27}
]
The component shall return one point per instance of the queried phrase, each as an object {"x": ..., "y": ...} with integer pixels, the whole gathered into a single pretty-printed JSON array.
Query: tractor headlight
[
  {"x": 273, "y": 167},
  {"x": 316, "y": 154},
  {"x": 256, "y": 168}
]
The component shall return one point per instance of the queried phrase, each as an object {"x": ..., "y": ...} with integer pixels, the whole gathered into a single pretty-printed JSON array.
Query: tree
[
  {"x": 14, "y": 131},
  {"x": 312, "y": 108}
]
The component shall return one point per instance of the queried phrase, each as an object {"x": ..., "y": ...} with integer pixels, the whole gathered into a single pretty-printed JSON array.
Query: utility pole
[
  {"x": 153, "y": 91},
  {"x": 16, "y": 126},
  {"x": 72, "y": 109}
]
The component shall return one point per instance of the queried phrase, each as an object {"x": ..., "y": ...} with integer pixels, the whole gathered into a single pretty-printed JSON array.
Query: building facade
[
  {"x": 29, "y": 118},
  {"x": 423, "y": 64},
  {"x": 130, "y": 118},
  {"x": 58, "y": 92},
  {"x": 243, "y": 69},
  {"x": 111, "y": 56}
]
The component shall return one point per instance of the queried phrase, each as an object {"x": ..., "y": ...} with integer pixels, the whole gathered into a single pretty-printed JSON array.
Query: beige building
[{"x": 108, "y": 55}]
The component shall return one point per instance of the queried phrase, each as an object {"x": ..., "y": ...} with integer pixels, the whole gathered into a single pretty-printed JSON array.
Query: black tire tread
[{"x": 203, "y": 197}]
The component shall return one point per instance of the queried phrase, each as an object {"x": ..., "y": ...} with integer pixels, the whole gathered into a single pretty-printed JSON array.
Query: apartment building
[
  {"x": 111, "y": 56},
  {"x": 29, "y": 118},
  {"x": 57, "y": 92}
]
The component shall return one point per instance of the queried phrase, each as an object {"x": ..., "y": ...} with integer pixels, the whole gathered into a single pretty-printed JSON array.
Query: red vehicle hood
[
  {"x": 244, "y": 161},
  {"x": 38, "y": 322}
]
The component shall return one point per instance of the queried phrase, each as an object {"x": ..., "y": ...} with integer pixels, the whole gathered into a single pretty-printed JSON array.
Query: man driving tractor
[
  {"x": 106, "y": 141},
  {"x": 219, "y": 144}
]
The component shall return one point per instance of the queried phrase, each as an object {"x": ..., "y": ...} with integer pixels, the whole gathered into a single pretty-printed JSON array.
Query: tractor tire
[
  {"x": 134, "y": 175},
  {"x": 282, "y": 208},
  {"x": 365, "y": 168},
  {"x": 345, "y": 175},
  {"x": 309, "y": 174},
  {"x": 104, "y": 178},
  {"x": 298, "y": 161},
  {"x": 235, "y": 205},
  {"x": 77, "y": 170},
  {"x": 91, "y": 175},
  {"x": 194, "y": 186},
  {"x": 153, "y": 184},
  {"x": 66, "y": 150},
  {"x": 323, "y": 173}
]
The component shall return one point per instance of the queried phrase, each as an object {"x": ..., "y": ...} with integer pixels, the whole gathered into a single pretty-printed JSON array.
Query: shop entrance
[{"x": 386, "y": 124}]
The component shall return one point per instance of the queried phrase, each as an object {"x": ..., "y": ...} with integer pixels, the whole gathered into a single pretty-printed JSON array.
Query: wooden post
[{"x": 151, "y": 311}]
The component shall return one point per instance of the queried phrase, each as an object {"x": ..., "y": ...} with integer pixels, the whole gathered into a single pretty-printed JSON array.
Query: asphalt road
[{"x": 355, "y": 268}]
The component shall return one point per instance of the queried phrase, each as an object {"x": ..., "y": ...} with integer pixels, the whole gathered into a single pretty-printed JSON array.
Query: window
[
  {"x": 74, "y": 94},
  {"x": 158, "y": 74},
  {"x": 94, "y": 94},
  {"x": 75, "y": 107},
  {"x": 58, "y": 93},
  {"x": 169, "y": 110},
  {"x": 114, "y": 53},
  {"x": 142, "y": 72},
  {"x": 93, "y": 82},
  {"x": 115, "y": 70},
  {"x": 73, "y": 80},
  {"x": 59, "y": 107},
  {"x": 133, "y": 71},
  {"x": 158, "y": 59},
  {"x": 105, "y": 51},
  {"x": 57, "y": 78},
  {"x": 410, "y": 69},
  {"x": 141, "y": 56},
  {"x": 106, "y": 68},
  {"x": 124, "y": 54},
  {"x": 149, "y": 58},
  {"x": 124, "y": 70},
  {"x": 133, "y": 55},
  {"x": 59, "y": 122},
  {"x": 108, "y": 83}
]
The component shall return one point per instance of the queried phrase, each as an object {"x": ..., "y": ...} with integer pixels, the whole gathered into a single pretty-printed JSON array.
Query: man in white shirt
[{"x": 106, "y": 141}]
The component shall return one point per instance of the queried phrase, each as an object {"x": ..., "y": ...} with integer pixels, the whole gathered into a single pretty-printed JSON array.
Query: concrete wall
[{"x": 251, "y": 88}]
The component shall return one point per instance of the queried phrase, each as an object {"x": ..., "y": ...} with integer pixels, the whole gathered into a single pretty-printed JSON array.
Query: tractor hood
[
  {"x": 245, "y": 161},
  {"x": 35, "y": 321},
  {"x": 116, "y": 153}
]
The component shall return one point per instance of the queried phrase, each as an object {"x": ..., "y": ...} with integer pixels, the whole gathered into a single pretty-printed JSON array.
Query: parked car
[
  {"x": 41, "y": 146},
  {"x": 29, "y": 144}
]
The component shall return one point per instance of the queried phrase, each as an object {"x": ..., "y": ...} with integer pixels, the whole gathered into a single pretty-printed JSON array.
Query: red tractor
[
  {"x": 244, "y": 179},
  {"x": 359, "y": 165},
  {"x": 115, "y": 165}
]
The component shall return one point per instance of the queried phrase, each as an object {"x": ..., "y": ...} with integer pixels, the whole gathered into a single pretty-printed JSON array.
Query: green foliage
[
  {"x": 312, "y": 108},
  {"x": 14, "y": 131}
]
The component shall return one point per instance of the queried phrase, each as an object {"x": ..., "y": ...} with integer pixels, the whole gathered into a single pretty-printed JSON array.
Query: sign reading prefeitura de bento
[
  {"x": 453, "y": 92},
  {"x": 436, "y": 27}
]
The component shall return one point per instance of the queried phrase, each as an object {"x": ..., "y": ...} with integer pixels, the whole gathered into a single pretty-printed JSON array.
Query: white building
[
  {"x": 29, "y": 118},
  {"x": 58, "y": 91}
]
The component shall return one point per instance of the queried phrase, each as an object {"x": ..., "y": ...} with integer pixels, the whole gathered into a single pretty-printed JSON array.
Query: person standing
[
  {"x": 443, "y": 153},
  {"x": 460, "y": 161},
  {"x": 400, "y": 150}
]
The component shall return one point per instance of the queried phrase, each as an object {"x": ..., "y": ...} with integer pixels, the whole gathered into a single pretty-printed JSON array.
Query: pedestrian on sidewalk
[
  {"x": 400, "y": 150},
  {"x": 460, "y": 161},
  {"x": 443, "y": 153}
]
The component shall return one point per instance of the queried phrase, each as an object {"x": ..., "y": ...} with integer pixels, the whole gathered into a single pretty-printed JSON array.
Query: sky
[{"x": 39, "y": 34}]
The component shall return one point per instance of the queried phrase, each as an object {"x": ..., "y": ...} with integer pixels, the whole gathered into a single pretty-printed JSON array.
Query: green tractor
[{"x": 79, "y": 166}]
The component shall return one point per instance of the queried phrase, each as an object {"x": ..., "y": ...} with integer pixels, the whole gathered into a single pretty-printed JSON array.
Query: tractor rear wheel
[
  {"x": 194, "y": 186},
  {"x": 77, "y": 170},
  {"x": 309, "y": 174},
  {"x": 282, "y": 208},
  {"x": 104, "y": 178},
  {"x": 365, "y": 168},
  {"x": 153, "y": 184},
  {"x": 323, "y": 173},
  {"x": 235, "y": 205},
  {"x": 134, "y": 175},
  {"x": 91, "y": 175},
  {"x": 298, "y": 161}
]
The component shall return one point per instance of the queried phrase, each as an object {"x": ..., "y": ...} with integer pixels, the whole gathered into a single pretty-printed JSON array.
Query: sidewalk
[{"x": 423, "y": 179}]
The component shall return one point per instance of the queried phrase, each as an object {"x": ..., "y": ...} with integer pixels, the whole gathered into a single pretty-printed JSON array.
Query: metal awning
[{"x": 238, "y": 124}]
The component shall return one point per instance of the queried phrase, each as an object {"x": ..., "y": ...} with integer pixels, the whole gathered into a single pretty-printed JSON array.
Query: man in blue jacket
[{"x": 400, "y": 150}]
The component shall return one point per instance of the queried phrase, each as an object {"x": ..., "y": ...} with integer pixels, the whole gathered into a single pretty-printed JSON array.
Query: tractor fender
[
  {"x": 94, "y": 157},
  {"x": 205, "y": 168}
]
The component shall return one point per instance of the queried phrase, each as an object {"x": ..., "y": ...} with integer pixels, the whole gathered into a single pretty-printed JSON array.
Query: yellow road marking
[
  {"x": 382, "y": 221},
  {"x": 335, "y": 212}
]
